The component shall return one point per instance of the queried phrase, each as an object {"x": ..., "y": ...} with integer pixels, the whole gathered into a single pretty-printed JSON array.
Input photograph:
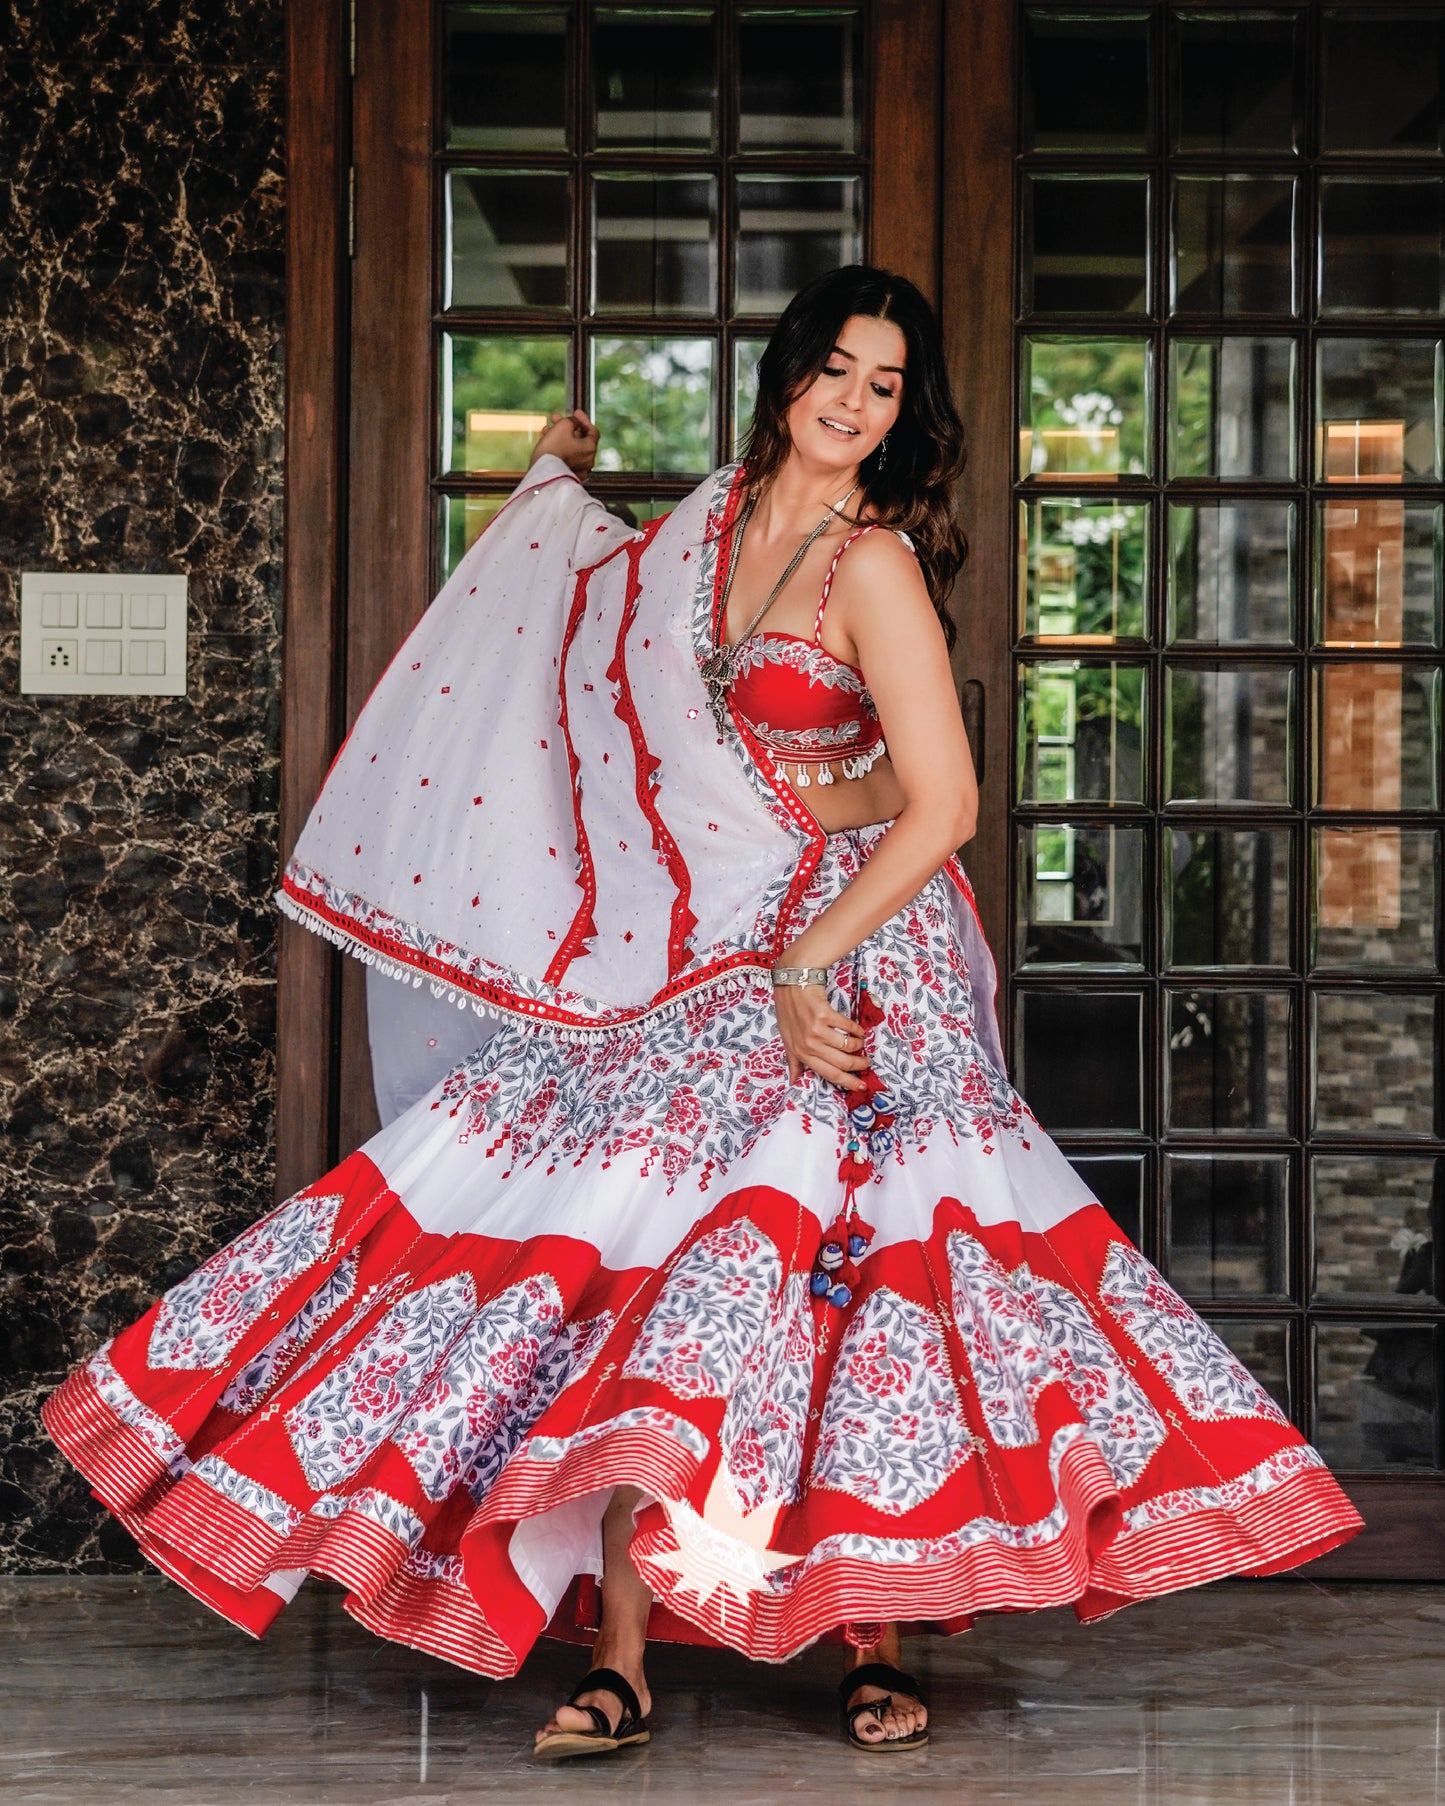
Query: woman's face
[{"x": 854, "y": 399}]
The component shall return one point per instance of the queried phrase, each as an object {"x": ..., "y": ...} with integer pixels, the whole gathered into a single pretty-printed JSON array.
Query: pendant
[{"x": 716, "y": 673}]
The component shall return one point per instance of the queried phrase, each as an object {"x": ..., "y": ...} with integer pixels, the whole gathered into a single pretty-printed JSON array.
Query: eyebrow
[{"x": 895, "y": 369}]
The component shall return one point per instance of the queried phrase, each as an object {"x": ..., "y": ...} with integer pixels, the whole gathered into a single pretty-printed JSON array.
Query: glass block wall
[{"x": 1226, "y": 936}]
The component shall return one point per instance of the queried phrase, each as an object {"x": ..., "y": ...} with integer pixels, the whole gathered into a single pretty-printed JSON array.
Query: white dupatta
[{"x": 535, "y": 810}]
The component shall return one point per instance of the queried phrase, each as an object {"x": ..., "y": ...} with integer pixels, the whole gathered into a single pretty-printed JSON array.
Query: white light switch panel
[{"x": 106, "y": 633}]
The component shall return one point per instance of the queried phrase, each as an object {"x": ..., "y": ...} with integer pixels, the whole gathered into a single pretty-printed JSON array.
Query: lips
[{"x": 837, "y": 428}]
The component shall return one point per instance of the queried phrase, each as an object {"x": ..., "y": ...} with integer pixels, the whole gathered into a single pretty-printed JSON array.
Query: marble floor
[{"x": 124, "y": 1689}]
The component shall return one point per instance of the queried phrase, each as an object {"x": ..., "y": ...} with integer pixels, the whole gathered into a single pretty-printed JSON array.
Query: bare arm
[{"x": 885, "y": 609}]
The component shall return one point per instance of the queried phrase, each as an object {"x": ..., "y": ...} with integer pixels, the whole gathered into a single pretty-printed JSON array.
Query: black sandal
[
  {"x": 879, "y": 1674},
  {"x": 631, "y": 1727}
]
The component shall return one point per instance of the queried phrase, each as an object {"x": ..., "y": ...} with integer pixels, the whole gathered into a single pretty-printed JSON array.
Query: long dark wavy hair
[{"x": 913, "y": 489}]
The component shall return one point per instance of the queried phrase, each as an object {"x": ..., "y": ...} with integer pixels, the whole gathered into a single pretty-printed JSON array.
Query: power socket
[{"x": 60, "y": 655}]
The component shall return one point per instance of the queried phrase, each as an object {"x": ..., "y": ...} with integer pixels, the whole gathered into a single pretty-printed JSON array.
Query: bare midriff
[{"x": 851, "y": 802}]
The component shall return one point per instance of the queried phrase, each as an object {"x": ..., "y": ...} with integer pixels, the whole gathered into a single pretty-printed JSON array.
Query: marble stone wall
[{"x": 141, "y": 301}]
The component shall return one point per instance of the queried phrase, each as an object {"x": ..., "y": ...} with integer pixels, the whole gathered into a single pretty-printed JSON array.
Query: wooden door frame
[
  {"x": 314, "y": 586},
  {"x": 977, "y": 312}
]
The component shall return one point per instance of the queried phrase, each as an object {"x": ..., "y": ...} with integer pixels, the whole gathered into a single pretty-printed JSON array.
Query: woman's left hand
[
  {"x": 816, "y": 1036},
  {"x": 572, "y": 438}
]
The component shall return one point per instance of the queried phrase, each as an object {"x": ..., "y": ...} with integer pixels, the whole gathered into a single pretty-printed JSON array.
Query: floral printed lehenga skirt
[{"x": 582, "y": 1261}]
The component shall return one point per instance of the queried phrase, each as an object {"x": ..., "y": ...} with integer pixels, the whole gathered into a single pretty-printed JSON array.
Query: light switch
[
  {"x": 148, "y": 611},
  {"x": 102, "y": 633},
  {"x": 59, "y": 610}
]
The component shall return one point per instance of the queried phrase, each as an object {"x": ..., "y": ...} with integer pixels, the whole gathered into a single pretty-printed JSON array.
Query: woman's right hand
[
  {"x": 818, "y": 1037},
  {"x": 570, "y": 437}
]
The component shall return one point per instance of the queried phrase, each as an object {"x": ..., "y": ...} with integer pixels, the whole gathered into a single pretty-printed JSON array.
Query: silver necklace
[{"x": 720, "y": 667}]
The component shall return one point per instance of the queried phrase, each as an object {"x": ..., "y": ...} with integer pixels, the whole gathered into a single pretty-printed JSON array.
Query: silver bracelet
[{"x": 800, "y": 975}]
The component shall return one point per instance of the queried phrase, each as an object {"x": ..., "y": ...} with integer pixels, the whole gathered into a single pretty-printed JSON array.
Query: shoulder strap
[{"x": 857, "y": 533}]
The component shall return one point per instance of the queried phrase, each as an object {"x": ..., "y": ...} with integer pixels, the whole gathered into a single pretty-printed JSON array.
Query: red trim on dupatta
[
  {"x": 799, "y": 816},
  {"x": 683, "y": 918},
  {"x": 583, "y": 924}
]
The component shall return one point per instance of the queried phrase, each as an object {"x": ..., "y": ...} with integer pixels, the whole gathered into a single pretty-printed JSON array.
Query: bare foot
[
  {"x": 900, "y": 1718},
  {"x": 903, "y": 1715}
]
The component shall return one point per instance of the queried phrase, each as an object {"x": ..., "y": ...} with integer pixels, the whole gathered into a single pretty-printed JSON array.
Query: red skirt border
[{"x": 1285, "y": 1511}]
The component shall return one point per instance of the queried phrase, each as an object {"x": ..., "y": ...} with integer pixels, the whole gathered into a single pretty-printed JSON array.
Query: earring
[{"x": 883, "y": 451}]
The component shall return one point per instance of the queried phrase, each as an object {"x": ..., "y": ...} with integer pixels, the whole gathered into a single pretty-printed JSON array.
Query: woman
[{"x": 722, "y": 1265}]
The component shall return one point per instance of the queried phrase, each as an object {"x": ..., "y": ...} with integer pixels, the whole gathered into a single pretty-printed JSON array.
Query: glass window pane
[
  {"x": 462, "y": 519},
  {"x": 654, "y": 80},
  {"x": 1378, "y": 411},
  {"x": 1233, "y": 245},
  {"x": 1226, "y": 1224},
  {"x": 1084, "y": 567},
  {"x": 1378, "y": 578},
  {"x": 1380, "y": 245},
  {"x": 507, "y": 232},
  {"x": 800, "y": 81},
  {"x": 1229, "y": 1060},
  {"x": 1084, "y": 407},
  {"x": 1377, "y": 737},
  {"x": 652, "y": 400},
  {"x": 1376, "y": 899},
  {"x": 1263, "y": 1346},
  {"x": 1228, "y": 734},
  {"x": 1085, "y": 244},
  {"x": 464, "y": 516},
  {"x": 1374, "y": 1056},
  {"x": 746, "y": 353},
  {"x": 1086, "y": 82},
  {"x": 1236, "y": 81},
  {"x": 1104, "y": 1091},
  {"x": 1382, "y": 83},
  {"x": 637, "y": 510},
  {"x": 1081, "y": 895},
  {"x": 791, "y": 229},
  {"x": 1229, "y": 897},
  {"x": 1081, "y": 733},
  {"x": 1232, "y": 408},
  {"x": 497, "y": 392},
  {"x": 654, "y": 248},
  {"x": 1377, "y": 1402},
  {"x": 505, "y": 77},
  {"x": 1375, "y": 1222},
  {"x": 1231, "y": 572},
  {"x": 1117, "y": 1181}
]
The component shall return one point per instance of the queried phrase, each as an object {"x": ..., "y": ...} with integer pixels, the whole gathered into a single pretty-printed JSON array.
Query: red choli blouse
[{"x": 806, "y": 706}]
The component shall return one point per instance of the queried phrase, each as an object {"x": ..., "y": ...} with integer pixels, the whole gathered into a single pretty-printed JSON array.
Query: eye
[
  {"x": 883, "y": 390},
  {"x": 829, "y": 371}
]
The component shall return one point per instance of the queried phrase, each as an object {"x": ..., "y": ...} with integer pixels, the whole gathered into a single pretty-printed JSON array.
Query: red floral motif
[
  {"x": 718, "y": 1298},
  {"x": 200, "y": 1320},
  {"x": 1202, "y": 1372},
  {"x": 891, "y": 1370}
]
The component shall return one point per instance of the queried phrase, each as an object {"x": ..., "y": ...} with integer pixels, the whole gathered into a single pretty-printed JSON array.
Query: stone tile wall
[{"x": 141, "y": 301}]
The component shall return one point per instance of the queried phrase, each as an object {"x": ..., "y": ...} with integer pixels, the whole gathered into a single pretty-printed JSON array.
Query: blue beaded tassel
[{"x": 870, "y": 1137}]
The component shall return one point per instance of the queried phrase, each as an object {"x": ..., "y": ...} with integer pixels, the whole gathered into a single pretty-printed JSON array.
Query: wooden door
[{"x": 540, "y": 205}]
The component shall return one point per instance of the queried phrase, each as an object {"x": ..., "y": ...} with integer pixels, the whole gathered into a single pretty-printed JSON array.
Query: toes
[{"x": 565, "y": 1718}]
